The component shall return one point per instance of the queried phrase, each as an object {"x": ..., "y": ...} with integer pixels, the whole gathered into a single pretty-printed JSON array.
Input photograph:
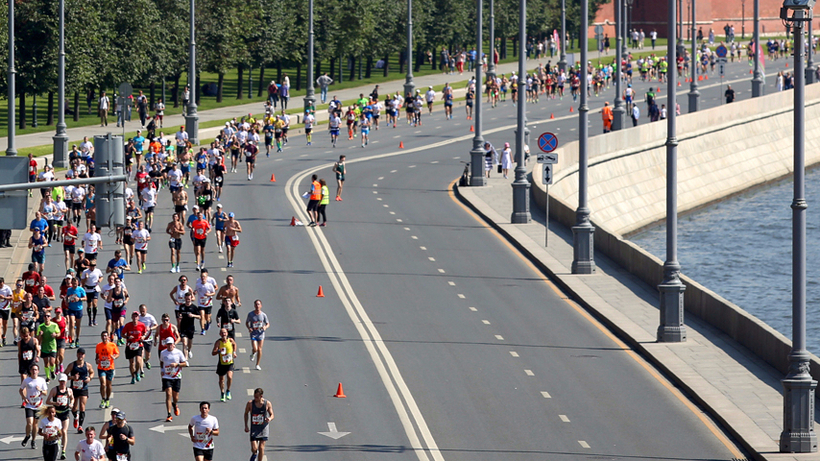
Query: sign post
[{"x": 547, "y": 142}]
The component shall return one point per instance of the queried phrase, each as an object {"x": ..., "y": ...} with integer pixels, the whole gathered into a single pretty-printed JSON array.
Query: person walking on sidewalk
[
  {"x": 323, "y": 82},
  {"x": 104, "y": 106}
]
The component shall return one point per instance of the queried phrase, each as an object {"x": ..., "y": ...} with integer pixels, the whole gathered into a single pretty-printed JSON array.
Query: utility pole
[
  {"x": 477, "y": 154},
  {"x": 192, "y": 119}
]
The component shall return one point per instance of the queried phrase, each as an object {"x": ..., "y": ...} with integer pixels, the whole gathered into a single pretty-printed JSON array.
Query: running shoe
[
  {"x": 253, "y": 457},
  {"x": 76, "y": 423},
  {"x": 253, "y": 356},
  {"x": 79, "y": 429},
  {"x": 148, "y": 365},
  {"x": 133, "y": 379},
  {"x": 169, "y": 418},
  {"x": 25, "y": 441},
  {"x": 62, "y": 455},
  {"x": 258, "y": 368},
  {"x": 176, "y": 410},
  {"x": 102, "y": 404},
  {"x": 33, "y": 445},
  {"x": 228, "y": 395},
  {"x": 222, "y": 397}
]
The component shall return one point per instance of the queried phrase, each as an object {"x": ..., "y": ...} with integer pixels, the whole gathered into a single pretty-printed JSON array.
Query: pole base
[
  {"x": 619, "y": 114},
  {"x": 521, "y": 202},
  {"x": 798, "y": 435},
  {"x": 811, "y": 75},
  {"x": 758, "y": 89},
  {"x": 583, "y": 249},
  {"x": 192, "y": 127},
  {"x": 60, "y": 151},
  {"x": 562, "y": 65},
  {"x": 671, "y": 328},
  {"x": 694, "y": 101},
  {"x": 477, "y": 177},
  {"x": 409, "y": 87}
]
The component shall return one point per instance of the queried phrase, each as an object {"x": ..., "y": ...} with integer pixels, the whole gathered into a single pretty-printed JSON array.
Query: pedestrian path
[{"x": 738, "y": 390}]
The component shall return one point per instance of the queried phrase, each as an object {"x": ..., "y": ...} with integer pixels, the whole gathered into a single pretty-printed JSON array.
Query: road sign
[
  {"x": 599, "y": 29},
  {"x": 721, "y": 51},
  {"x": 14, "y": 204},
  {"x": 547, "y": 158},
  {"x": 547, "y": 174},
  {"x": 125, "y": 89},
  {"x": 547, "y": 142}
]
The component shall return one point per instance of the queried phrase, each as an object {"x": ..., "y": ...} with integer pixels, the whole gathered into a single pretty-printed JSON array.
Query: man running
[
  {"x": 33, "y": 390},
  {"x": 134, "y": 333},
  {"x": 201, "y": 228},
  {"x": 260, "y": 413},
  {"x": 250, "y": 158},
  {"x": 123, "y": 438},
  {"x": 75, "y": 295},
  {"x": 173, "y": 360},
  {"x": 89, "y": 449},
  {"x": 91, "y": 284},
  {"x": 229, "y": 291},
  {"x": 225, "y": 349},
  {"x": 333, "y": 124},
  {"x": 187, "y": 313},
  {"x": 106, "y": 353},
  {"x": 202, "y": 429},
  {"x": 141, "y": 238},
  {"x": 314, "y": 198},
  {"x": 257, "y": 324},
  {"x": 175, "y": 230},
  {"x": 232, "y": 230},
  {"x": 6, "y": 297},
  {"x": 309, "y": 121},
  {"x": 219, "y": 218},
  {"x": 206, "y": 288},
  {"x": 47, "y": 334},
  {"x": 81, "y": 373},
  {"x": 150, "y": 337},
  {"x": 340, "y": 168},
  {"x": 227, "y": 318}
]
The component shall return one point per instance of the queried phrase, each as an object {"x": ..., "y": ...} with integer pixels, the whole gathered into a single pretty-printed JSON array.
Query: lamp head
[{"x": 798, "y": 4}]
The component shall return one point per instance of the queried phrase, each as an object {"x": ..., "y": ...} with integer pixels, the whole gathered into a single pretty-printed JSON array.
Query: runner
[
  {"x": 225, "y": 349},
  {"x": 206, "y": 288},
  {"x": 47, "y": 334},
  {"x": 175, "y": 230},
  {"x": 118, "y": 265},
  {"x": 333, "y": 124},
  {"x": 29, "y": 314},
  {"x": 37, "y": 243},
  {"x": 62, "y": 399},
  {"x": 227, "y": 317},
  {"x": 104, "y": 435},
  {"x": 118, "y": 297},
  {"x": 49, "y": 429},
  {"x": 62, "y": 324},
  {"x": 81, "y": 373},
  {"x": 122, "y": 437},
  {"x": 340, "y": 168},
  {"x": 141, "y": 238},
  {"x": 257, "y": 323},
  {"x": 178, "y": 296},
  {"x": 148, "y": 196},
  {"x": 200, "y": 229},
  {"x": 6, "y": 298},
  {"x": 218, "y": 221},
  {"x": 188, "y": 312},
  {"x": 89, "y": 449},
  {"x": 232, "y": 229},
  {"x": 69, "y": 236},
  {"x": 106, "y": 353},
  {"x": 33, "y": 390},
  {"x": 229, "y": 291},
  {"x": 250, "y": 158},
  {"x": 364, "y": 123},
  {"x": 75, "y": 295},
  {"x": 92, "y": 243},
  {"x": 202, "y": 429},
  {"x": 134, "y": 333},
  {"x": 309, "y": 121},
  {"x": 150, "y": 337},
  {"x": 218, "y": 173},
  {"x": 261, "y": 414},
  {"x": 166, "y": 330},
  {"x": 173, "y": 360}
]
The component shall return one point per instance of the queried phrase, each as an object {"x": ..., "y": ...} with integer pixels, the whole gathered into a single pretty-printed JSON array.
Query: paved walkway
[{"x": 735, "y": 388}]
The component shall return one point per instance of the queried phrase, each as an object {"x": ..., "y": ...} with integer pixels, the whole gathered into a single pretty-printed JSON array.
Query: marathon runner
[
  {"x": 188, "y": 312},
  {"x": 122, "y": 437},
  {"x": 260, "y": 412},
  {"x": 62, "y": 399},
  {"x": 227, "y": 317},
  {"x": 202, "y": 429},
  {"x": 81, "y": 373},
  {"x": 6, "y": 298},
  {"x": 91, "y": 283},
  {"x": 225, "y": 349},
  {"x": 166, "y": 330},
  {"x": 333, "y": 124},
  {"x": 49, "y": 429},
  {"x": 178, "y": 295},
  {"x": 75, "y": 295},
  {"x": 141, "y": 238},
  {"x": 33, "y": 390},
  {"x": 218, "y": 220},
  {"x": 28, "y": 352},
  {"x": 229, "y": 291},
  {"x": 47, "y": 334},
  {"x": 173, "y": 360},
  {"x": 106, "y": 353},
  {"x": 232, "y": 229},
  {"x": 134, "y": 333},
  {"x": 118, "y": 298},
  {"x": 89, "y": 449},
  {"x": 257, "y": 323},
  {"x": 200, "y": 229},
  {"x": 175, "y": 230},
  {"x": 340, "y": 168},
  {"x": 69, "y": 235},
  {"x": 206, "y": 288},
  {"x": 309, "y": 121},
  {"x": 250, "y": 158},
  {"x": 151, "y": 325}
]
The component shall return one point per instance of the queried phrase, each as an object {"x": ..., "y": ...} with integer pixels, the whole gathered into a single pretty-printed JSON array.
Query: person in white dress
[{"x": 506, "y": 160}]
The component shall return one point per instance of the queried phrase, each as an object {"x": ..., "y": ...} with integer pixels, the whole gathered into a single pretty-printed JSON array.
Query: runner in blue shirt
[
  {"x": 219, "y": 219},
  {"x": 139, "y": 140},
  {"x": 118, "y": 265},
  {"x": 75, "y": 296}
]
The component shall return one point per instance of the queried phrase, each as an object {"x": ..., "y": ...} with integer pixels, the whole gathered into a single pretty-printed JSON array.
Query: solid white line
[
  {"x": 461, "y": 296},
  {"x": 583, "y": 444},
  {"x": 546, "y": 395},
  {"x": 473, "y": 309},
  {"x": 499, "y": 337},
  {"x": 452, "y": 284},
  {"x": 564, "y": 418},
  {"x": 529, "y": 373},
  {"x": 485, "y": 322},
  {"x": 514, "y": 354}
]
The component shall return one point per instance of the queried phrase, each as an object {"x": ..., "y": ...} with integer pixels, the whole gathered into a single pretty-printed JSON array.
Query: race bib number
[
  {"x": 122, "y": 456},
  {"x": 30, "y": 282},
  {"x": 77, "y": 384},
  {"x": 34, "y": 400},
  {"x": 38, "y": 248},
  {"x": 170, "y": 370},
  {"x": 118, "y": 303},
  {"x": 50, "y": 431},
  {"x": 201, "y": 437},
  {"x": 205, "y": 301},
  {"x": 62, "y": 400},
  {"x": 105, "y": 363},
  {"x": 134, "y": 346},
  {"x": 228, "y": 326},
  {"x": 258, "y": 419},
  {"x": 200, "y": 232},
  {"x": 28, "y": 355},
  {"x": 227, "y": 358},
  {"x": 258, "y": 325}
]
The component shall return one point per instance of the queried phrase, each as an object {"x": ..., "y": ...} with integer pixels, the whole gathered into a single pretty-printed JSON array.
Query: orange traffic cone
[
  {"x": 401, "y": 144},
  {"x": 679, "y": 83},
  {"x": 552, "y": 116},
  {"x": 700, "y": 78},
  {"x": 321, "y": 293},
  {"x": 787, "y": 64},
  {"x": 340, "y": 393},
  {"x": 751, "y": 71},
  {"x": 293, "y": 221},
  {"x": 571, "y": 109},
  {"x": 706, "y": 77},
  {"x": 659, "y": 90},
  {"x": 272, "y": 177},
  {"x": 472, "y": 130}
]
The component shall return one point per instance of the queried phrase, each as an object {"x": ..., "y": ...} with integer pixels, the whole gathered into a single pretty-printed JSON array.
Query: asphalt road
[{"x": 449, "y": 345}]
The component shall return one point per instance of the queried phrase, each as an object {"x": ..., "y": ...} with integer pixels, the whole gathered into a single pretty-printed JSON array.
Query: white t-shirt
[
  {"x": 77, "y": 195},
  {"x": 91, "y": 278},
  {"x": 242, "y": 136},
  {"x": 129, "y": 193},
  {"x": 335, "y": 122},
  {"x": 47, "y": 176},
  {"x": 35, "y": 390},
  {"x": 5, "y": 304},
  {"x": 202, "y": 440},
  {"x": 430, "y": 95},
  {"x": 285, "y": 118},
  {"x": 141, "y": 239},
  {"x": 182, "y": 138},
  {"x": 86, "y": 146},
  {"x": 202, "y": 299},
  {"x": 50, "y": 428},
  {"x": 309, "y": 121},
  {"x": 149, "y": 197},
  {"x": 168, "y": 357},
  {"x": 91, "y": 242},
  {"x": 95, "y": 450},
  {"x": 175, "y": 178},
  {"x": 149, "y": 321}
]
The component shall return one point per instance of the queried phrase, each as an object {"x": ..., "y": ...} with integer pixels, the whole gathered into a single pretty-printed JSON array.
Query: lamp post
[
  {"x": 34, "y": 122},
  {"x": 671, "y": 328},
  {"x": 192, "y": 119},
  {"x": 477, "y": 154},
  {"x": 310, "y": 95},
  {"x": 60, "y": 139},
  {"x": 624, "y": 50},
  {"x": 619, "y": 112},
  {"x": 694, "y": 94},
  {"x": 409, "y": 86},
  {"x": 743, "y": 19},
  {"x": 583, "y": 261},
  {"x": 562, "y": 63},
  {"x": 521, "y": 187},
  {"x": 250, "y": 82},
  {"x": 757, "y": 81},
  {"x": 798, "y": 434},
  {"x": 811, "y": 69},
  {"x": 491, "y": 60}
]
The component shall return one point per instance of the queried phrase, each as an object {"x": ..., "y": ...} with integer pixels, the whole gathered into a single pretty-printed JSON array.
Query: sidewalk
[{"x": 735, "y": 388}]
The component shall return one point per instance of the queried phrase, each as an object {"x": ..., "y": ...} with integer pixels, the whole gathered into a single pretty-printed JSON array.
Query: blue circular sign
[
  {"x": 547, "y": 142},
  {"x": 721, "y": 51}
]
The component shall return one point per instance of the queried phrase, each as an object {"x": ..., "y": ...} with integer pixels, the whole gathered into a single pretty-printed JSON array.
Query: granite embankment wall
[{"x": 721, "y": 152}]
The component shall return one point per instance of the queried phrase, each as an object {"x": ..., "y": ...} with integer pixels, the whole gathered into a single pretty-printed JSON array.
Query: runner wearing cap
[
  {"x": 232, "y": 229},
  {"x": 121, "y": 436},
  {"x": 81, "y": 373},
  {"x": 202, "y": 429},
  {"x": 63, "y": 399},
  {"x": 104, "y": 435},
  {"x": 225, "y": 349},
  {"x": 173, "y": 360},
  {"x": 206, "y": 288},
  {"x": 134, "y": 332}
]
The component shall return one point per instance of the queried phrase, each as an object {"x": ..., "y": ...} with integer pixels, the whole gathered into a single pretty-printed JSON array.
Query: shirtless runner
[{"x": 232, "y": 228}]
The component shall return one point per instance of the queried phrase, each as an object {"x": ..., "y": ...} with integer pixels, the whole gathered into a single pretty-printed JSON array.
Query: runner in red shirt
[
  {"x": 165, "y": 330},
  {"x": 31, "y": 279},
  {"x": 69, "y": 244},
  {"x": 134, "y": 333},
  {"x": 201, "y": 229}
]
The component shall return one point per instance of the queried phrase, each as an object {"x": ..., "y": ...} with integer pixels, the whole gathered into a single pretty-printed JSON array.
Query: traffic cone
[
  {"x": 401, "y": 144},
  {"x": 706, "y": 77},
  {"x": 679, "y": 83},
  {"x": 472, "y": 130},
  {"x": 787, "y": 64},
  {"x": 700, "y": 78},
  {"x": 272, "y": 177},
  {"x": 659, "y": 90},
  {"x": 571, "y": 109},
  {"x": 751, "y": 71},
  {"x": 552, "y": 116},
  {"x": 321, "y": 293},
  {"x": 340, "y": 393},
  {"x": 293, "y": 221}
]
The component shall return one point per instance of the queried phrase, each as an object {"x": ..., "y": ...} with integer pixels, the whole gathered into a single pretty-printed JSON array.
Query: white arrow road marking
[
  {"x": 10, "y": 439},
  {"x": 332, "y": 432},
  {"x": 162, "y": 428}
]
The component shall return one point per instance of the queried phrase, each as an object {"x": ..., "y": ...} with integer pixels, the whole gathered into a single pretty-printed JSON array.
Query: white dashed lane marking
[
  {"x": 485, "y": 322},
  {"x": 583, "y": 444},
  {"x": 241, "y": 350},
  {"x": 397, "y": 136},
  {"x": 413, "y": 237},
  {"x": 452, "y": 284},
  {"x": 434, "y": 161},
  {"x": 250, "y": 392},
  {"x": 238, "y": 335},
  {"x": 392, "y": 212},
  {"x": 456, "y": 158},
  {"x": 529, "y": 373},
  {"x": 386, "y": 205},
  {"x": 398, "y": 220},
  {"x": 514, "y": 354},
  {"x": 246, "y": 370},
  {"x": 393, "y": 171},
  {"x": 220, "y": 257},
  {"x": 381, "y": 177},
  {"x": 407, "y": 228},
  {"x": 564, "y": 418},
  {"x": 433, "y": 259},
  {"x": 546, "y": 395},
  {"x": 473, "y": 309},
  {"x": 461, "y": 296},
  {"x": 411, "y": 166},
  {"x": 375, "y": 185},
  {"x": 423, "y": 248},
  {"x": 499, "y": 337},
  {"x": 441, "y": 271}
]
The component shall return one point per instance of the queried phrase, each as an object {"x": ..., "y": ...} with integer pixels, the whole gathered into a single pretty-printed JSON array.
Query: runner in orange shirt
[{"x": 107, "y": 352}]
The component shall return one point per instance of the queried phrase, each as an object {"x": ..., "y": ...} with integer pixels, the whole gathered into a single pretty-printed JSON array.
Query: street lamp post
[
  {"x": 619, "y": 112},
  {"x": 310, "y": 95},
  {"x": 811, "y": 69},
  {"x": 671, "y": 328},
  {"x": 192, "y": 119},
  {"x": 694, "y": 94},
  {"x": 798, "y": 434},
  {"x": 477, "y": 154},
  {"x": 757, "y": 81},
  {"x": 60, "y": 139},
  {"x": 10, "y": 149},
  {"x": 583, "y": 234},
  {"x": 491, "y": 60},
  {"x": 521, "y": 187},
  {"x": 624, "y": 49},
  {"x": 409, "y": 86},
  {"x": 562, "y": 63},
  {"x": 743, "y": 19}
]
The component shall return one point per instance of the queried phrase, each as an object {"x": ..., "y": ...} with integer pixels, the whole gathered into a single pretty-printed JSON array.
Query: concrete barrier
[{"x": 720, "y": 154}]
